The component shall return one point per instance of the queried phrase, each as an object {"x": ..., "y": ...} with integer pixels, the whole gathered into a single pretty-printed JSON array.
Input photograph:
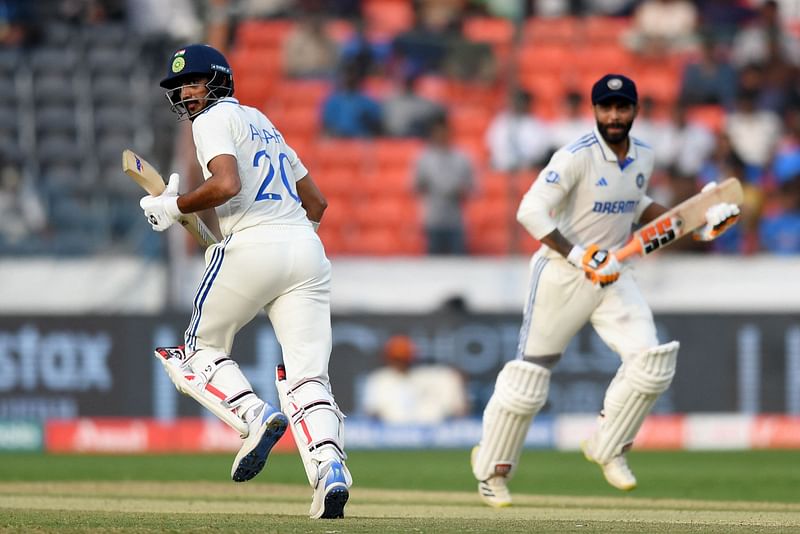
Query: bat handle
[{"x": 632, "y": 248}]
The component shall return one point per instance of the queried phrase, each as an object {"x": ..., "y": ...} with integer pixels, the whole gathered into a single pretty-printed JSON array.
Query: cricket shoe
[
  {"x": 330, "y": 493},
  {"x": 266, "y": 429},
  {"x": 493, "y": 490},
  {"x": 616, "y": 470}
]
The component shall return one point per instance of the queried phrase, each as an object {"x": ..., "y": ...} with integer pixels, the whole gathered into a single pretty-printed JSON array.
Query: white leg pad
[
  {"x": 630, "y": 397},
  {"x": 519, "y": 393},
  {"x": 212, "y": 379},
  {"x": 316, "y": 421}
]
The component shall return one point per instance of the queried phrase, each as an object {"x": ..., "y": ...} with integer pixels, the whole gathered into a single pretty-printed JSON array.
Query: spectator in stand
[
  {"x": 406, "y": 114},
  {"x": 690, "y": 144},
  {"x": 752, "y": 44},
  {"x": 754, "y": 133},
  {"x": 444, "y": 177},
  {"x": 516, "y": 139},
  {"x": 370, "y": 53},
  {"x": 723, "y": 163},
  {"x": 663, "y": 26},
  {"x": 424, "y": 48},
  {"x": 573, "y": 123},
  {"x": 349, "y": 111},
  {"x": 406, "y": 392},
  {"x": 308, "y": 50},
  {"x": 17, "y": 27},
  {"x": 710, "y": 78},
  {"x": 779, "y": 231},
  {"x": 22, "y": 213},
  {"x": 721, "y": 19},
  {"x": 655, "y": 131}
]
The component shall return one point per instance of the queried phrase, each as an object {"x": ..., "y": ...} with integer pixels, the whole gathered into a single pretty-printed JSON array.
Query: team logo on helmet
[
  {"x": 614, "y": 84},
  {"x": 178, "y": 64}
]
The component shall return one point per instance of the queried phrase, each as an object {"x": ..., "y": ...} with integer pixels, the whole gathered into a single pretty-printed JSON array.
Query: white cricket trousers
[
  {"x": 280, "y": 268},
  {"x": 561, "y": 301}
]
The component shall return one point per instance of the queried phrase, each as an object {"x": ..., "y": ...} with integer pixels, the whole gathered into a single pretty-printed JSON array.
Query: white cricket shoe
[
  {"x": 493, "y": 490},
  {"x": 330, "y": 493},
  {"x": 616, "y": 470},
  {"x": 266, "y": 429}
]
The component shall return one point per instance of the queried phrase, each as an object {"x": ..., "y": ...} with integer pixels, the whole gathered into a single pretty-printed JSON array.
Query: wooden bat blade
[
  {"x": 681, "y": 220},
  {"x": 151, "y": 181},
  {"x": 142, "y": 173}
]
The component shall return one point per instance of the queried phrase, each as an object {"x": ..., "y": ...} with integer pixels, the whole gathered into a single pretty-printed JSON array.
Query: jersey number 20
[{"x": 262, "y": 191}]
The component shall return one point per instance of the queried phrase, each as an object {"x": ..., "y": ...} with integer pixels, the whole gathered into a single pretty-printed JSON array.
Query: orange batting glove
[{"x": 601, "y": 267}]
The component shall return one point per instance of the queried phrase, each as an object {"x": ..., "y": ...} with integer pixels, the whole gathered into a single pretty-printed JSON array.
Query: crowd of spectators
[{"x": 734, "y": 111}]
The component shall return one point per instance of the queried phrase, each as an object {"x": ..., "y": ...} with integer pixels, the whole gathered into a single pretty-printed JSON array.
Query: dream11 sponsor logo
[{"x": 63, "y": 361}]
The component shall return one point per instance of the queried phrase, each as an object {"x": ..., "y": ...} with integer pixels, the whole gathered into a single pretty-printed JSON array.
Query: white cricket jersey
[
  {"x": 588, "y": 195},
  {"x": 268, "y": 168}
]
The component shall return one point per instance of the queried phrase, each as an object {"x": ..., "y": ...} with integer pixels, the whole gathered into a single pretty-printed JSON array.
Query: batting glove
[
  {"x": 162, "y": 211},
  {"x": 600, "y": 266},
  {"x": 719, "y": 218}
]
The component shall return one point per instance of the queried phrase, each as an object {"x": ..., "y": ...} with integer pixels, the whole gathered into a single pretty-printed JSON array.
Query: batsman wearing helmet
[
  {"x": 270, "y": 258},
  {"x": 582, "y": 206}
]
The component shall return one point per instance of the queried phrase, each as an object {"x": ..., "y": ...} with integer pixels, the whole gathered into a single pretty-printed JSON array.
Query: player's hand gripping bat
[
  {"x": 151, "y": 181},
  {"x": 681, "y": 220}
]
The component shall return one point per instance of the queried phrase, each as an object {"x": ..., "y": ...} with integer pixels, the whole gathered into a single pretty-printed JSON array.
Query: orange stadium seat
[
  {"x": 492, "y": 30},
  {"x": 300, "y": 93},
  {"x": 599, "y": 29},
  {"x": 381, "y": 241},
  {"x": 256, "y": 33},
  {"x": 470, "y": 120},
  {"x": 341, "y": 182},
  {"x": 495, "y": 185},
  {"x": 605, "y": 57},
  {"x": 344, "y": 155},
  {"x": 433, "y": 87},
  {"x": 297, "y": 123},
  {"x": 493, "y": 240},
  {"x": 551, "y": 30},
  {"x": 388, "y": 17},
  {"x": 396, "y": 153},
  {"x": 711, "y": 116},
  {"x": 545, "y": 57}
]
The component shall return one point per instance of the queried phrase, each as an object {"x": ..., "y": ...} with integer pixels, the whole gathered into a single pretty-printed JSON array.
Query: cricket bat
[
  {"x": 684, "y": 218},
  {"x": 151, "y": 181}
]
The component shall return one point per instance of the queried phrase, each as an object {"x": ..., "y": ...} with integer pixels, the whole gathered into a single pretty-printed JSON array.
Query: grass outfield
[{"x": 753, "y": 491}]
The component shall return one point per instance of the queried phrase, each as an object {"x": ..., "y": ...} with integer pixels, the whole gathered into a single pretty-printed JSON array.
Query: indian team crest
[
  {"x": 178, "y": 64},
  {"x": 640, "y": 180},
  {"x": 615, "y": 84}
]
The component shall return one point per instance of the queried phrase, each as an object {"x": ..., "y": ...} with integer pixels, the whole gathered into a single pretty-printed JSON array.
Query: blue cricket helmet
[
  {"x": 196, "y": 59},
  {"x": 192, "y": 61}
]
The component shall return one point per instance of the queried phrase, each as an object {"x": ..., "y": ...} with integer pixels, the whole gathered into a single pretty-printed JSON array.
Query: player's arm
[
  {"x": 223, "y": 184},
  {"x": 312, "y": 199},
  {"x": 546, "y": 193},
  {"x": 652, "y": 212}
]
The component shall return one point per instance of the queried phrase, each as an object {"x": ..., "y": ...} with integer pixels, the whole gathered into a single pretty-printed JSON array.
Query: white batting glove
[
  {"x": 719, "y": 218},
  {"x": 162, "y": 211}
]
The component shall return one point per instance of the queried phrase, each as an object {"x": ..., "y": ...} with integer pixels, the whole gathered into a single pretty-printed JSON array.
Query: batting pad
[
  {"x": 519, "y": 393},
  {"x": 317, "y": 423},
  {"x": 212, "y": 379},
  {"x": 631, "y": 396}
]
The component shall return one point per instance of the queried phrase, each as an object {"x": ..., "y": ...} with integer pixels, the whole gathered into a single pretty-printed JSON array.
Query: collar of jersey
[
  {"x": 226, "y": 100},
  {"x": 609, "y": 155}
]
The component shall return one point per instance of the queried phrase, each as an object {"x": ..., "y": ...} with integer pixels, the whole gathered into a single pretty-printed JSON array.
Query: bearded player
[
  {"x": 270, "y": 258},
  {"x": 582, "y": 206}
]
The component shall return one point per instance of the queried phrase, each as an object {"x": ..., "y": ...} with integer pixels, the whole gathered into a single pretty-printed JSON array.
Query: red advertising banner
[{"x": 133, "y": 436}]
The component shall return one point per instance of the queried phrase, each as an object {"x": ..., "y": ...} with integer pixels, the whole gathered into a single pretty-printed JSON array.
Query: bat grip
[{"x": 632, "y": 248}]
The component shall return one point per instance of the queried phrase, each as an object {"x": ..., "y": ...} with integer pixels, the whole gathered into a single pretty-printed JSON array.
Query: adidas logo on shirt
[{"x": 601, "y": 182}]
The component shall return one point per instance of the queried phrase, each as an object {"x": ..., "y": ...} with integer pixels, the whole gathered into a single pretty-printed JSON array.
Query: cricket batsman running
[
  {"x": 270, "y": 258},
  {"x": 581, "y": 207}
]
